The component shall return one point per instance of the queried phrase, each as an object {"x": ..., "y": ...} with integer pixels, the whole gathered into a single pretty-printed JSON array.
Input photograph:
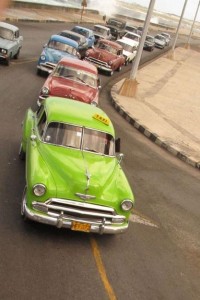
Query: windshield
[
  {"x": 81, "y": 31},
  {"x": 6, "y": 34},
  {"x": 100, "y": 30},
  {"x": 149, "y": 39},
  {"x": 159, "y": 37},
  {"x": 78, "y": 137},
  {"x": 71, "y": 73},
  {"x": 62, "y": 47},
  {"x": 107, "y": 47},
  {"x": 71, "y": 36},
  {"x": 125, "y": 46},
  {"x": 132, "y": 29},
  {"x": 132, "y": 37},
  {"x": 115, "y": 23}
]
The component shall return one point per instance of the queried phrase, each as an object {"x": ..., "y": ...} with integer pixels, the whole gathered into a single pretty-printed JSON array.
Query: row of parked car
[{"x": 73, "y": 174}]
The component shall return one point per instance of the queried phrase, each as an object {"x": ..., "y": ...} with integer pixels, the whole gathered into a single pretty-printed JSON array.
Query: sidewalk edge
[{"x": 150, "y": 135}]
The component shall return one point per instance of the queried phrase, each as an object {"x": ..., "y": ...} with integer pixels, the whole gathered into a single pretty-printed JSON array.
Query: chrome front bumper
[{"x": 62, "y": 221}]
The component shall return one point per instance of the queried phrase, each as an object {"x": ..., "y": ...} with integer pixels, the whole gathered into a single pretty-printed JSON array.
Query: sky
[{"x": 173, "y": 7}]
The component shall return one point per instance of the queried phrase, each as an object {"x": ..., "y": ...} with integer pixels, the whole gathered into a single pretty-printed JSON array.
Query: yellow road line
[{"x": 101, "y": 269}]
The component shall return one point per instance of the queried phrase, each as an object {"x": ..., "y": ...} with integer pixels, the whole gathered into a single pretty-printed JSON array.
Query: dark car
[
  {"x": 80, "y": 39},
  {"x": 149, "y": 43},
  {"x": 117, "y": 27}
]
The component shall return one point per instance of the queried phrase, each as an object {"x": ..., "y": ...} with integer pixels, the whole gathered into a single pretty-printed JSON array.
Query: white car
[
  {"x": 129, "y": 49},
  {"x": 160, "y": 41},
  {"x": 132, "y": 36},
  {"x": 167, "y": 37}
]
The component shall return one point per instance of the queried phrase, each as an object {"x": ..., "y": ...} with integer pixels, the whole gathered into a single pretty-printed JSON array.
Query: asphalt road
[{"x": 157, "y": 258}]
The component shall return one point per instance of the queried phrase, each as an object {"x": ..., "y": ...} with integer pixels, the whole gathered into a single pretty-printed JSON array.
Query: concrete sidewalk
[{"x": 166, "y": 107}]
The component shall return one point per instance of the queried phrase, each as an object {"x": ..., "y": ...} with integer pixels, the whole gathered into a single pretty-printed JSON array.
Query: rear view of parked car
[
  {"x": 57, "y": 48},
  {"x": 10, "y": 42}
]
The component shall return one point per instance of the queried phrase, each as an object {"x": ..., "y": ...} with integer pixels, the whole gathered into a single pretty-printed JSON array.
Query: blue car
[
  {"x": 57, "y": 48},
  {"x": 87, "y": 33}
]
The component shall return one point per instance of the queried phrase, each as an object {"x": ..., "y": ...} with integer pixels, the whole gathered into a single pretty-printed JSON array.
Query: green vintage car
[{"x": 73, "y": 177}]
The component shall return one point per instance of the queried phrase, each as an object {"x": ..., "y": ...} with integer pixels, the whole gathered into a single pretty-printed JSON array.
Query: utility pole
[
  {"x": 84, "y": 4},
  {"x": 171, "y": 55},
  {"x": 130, "y": 85},
  {"x": 189, "y": 37}
]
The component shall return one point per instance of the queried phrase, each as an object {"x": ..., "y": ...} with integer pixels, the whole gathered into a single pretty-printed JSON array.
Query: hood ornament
[{"x": 85, "y": 196}]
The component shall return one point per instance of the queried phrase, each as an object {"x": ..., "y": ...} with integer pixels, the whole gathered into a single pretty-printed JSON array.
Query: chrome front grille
[
  {"x": 79, "y": 211},
  {"x": 97, "y": 62}
]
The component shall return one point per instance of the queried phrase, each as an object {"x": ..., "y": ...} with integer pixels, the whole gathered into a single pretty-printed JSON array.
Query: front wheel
[
  {"x": 22, "y": 154},
  {"x": 119, "y": 68},
  {"x": 23, "y": 205},
  {"x": 17, "y": 54}
]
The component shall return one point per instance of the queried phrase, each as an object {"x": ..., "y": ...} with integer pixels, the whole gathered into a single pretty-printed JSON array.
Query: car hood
[
  {"x": 5, "y": 44},
  {"x": 98, "y": 35},
  {"x": 67, "y": 88},
  {"x": 55, "y": 56},
  {"x": 157, "y": 41},
  {"x": 102, "y": 55},
  {"x": 76, "y": 171}
]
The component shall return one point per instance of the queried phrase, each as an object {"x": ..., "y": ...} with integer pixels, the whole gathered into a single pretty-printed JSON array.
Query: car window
[
  {"x": 6, "y": 33},
  {"x": 64, "y": 135},
  {"x": 78, "y": 137},
  {"x": 62, "y": 47},
  {"x": 97, "y": 141},
  {"x": 74, "y": 74},
  {"x": 41, "y": 122}
]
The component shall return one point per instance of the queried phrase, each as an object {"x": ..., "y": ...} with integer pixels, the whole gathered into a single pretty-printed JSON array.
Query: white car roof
[
  {"x": 127, "y": 41},
  {"x": 132, "y": 33}
]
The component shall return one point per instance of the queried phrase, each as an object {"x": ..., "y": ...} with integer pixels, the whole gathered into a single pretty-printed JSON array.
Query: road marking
[
  {"x": 101, "y": 269},
  {"x": 137, "y": 217}
]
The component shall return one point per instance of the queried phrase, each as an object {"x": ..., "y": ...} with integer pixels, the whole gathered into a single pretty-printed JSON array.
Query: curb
[{"x": 152, "y": 136}]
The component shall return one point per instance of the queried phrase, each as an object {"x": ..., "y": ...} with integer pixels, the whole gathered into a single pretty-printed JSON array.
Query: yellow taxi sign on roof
[{"x": 101, "y": 119}]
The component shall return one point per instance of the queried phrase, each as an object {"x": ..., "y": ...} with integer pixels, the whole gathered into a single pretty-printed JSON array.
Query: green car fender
[
  {"x": 37, "y": 172},
  {"x": 27, "y": 126}
]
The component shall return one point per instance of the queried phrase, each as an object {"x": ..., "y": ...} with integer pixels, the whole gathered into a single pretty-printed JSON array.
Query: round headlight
[
  {"x": 110, "y": 62},
  {"x": 127, "y": 205},
  {"x": 3, "y": 51},
  {"x": 39, "y": 189},
  {"x": 42, "y": 57},
  {"x": 45, "y": 90}
]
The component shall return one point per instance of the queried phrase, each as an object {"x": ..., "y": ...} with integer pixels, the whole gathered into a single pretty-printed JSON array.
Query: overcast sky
[{"x": 173, "y": 7}]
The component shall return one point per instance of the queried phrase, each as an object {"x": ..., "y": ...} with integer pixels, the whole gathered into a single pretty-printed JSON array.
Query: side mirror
[
  {"x": 120, "y": 157},
  {"x": 33, "y": 137},
  {"x": 117, "y": 145}
]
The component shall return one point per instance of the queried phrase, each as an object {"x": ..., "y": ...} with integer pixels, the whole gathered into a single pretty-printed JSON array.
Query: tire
[
  {"x": 17, "y": 54},
  {"x": 39, "y": 72},
  {"x": 22, "y": 206},
  {"x": 119, "y": 69},
  {"x": 22, "y": 154},
  {"x": 111, "y": 73},
  {"x": 8, "y": 59}
]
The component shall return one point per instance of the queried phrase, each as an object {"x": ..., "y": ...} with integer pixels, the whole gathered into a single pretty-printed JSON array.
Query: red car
[
  {"x": 106, "y": 56},
  {"x": 74, "y": 79}
]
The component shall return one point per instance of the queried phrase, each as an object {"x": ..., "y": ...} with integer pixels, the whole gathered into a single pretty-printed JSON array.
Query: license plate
[{"x": 80, "y": 226}]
